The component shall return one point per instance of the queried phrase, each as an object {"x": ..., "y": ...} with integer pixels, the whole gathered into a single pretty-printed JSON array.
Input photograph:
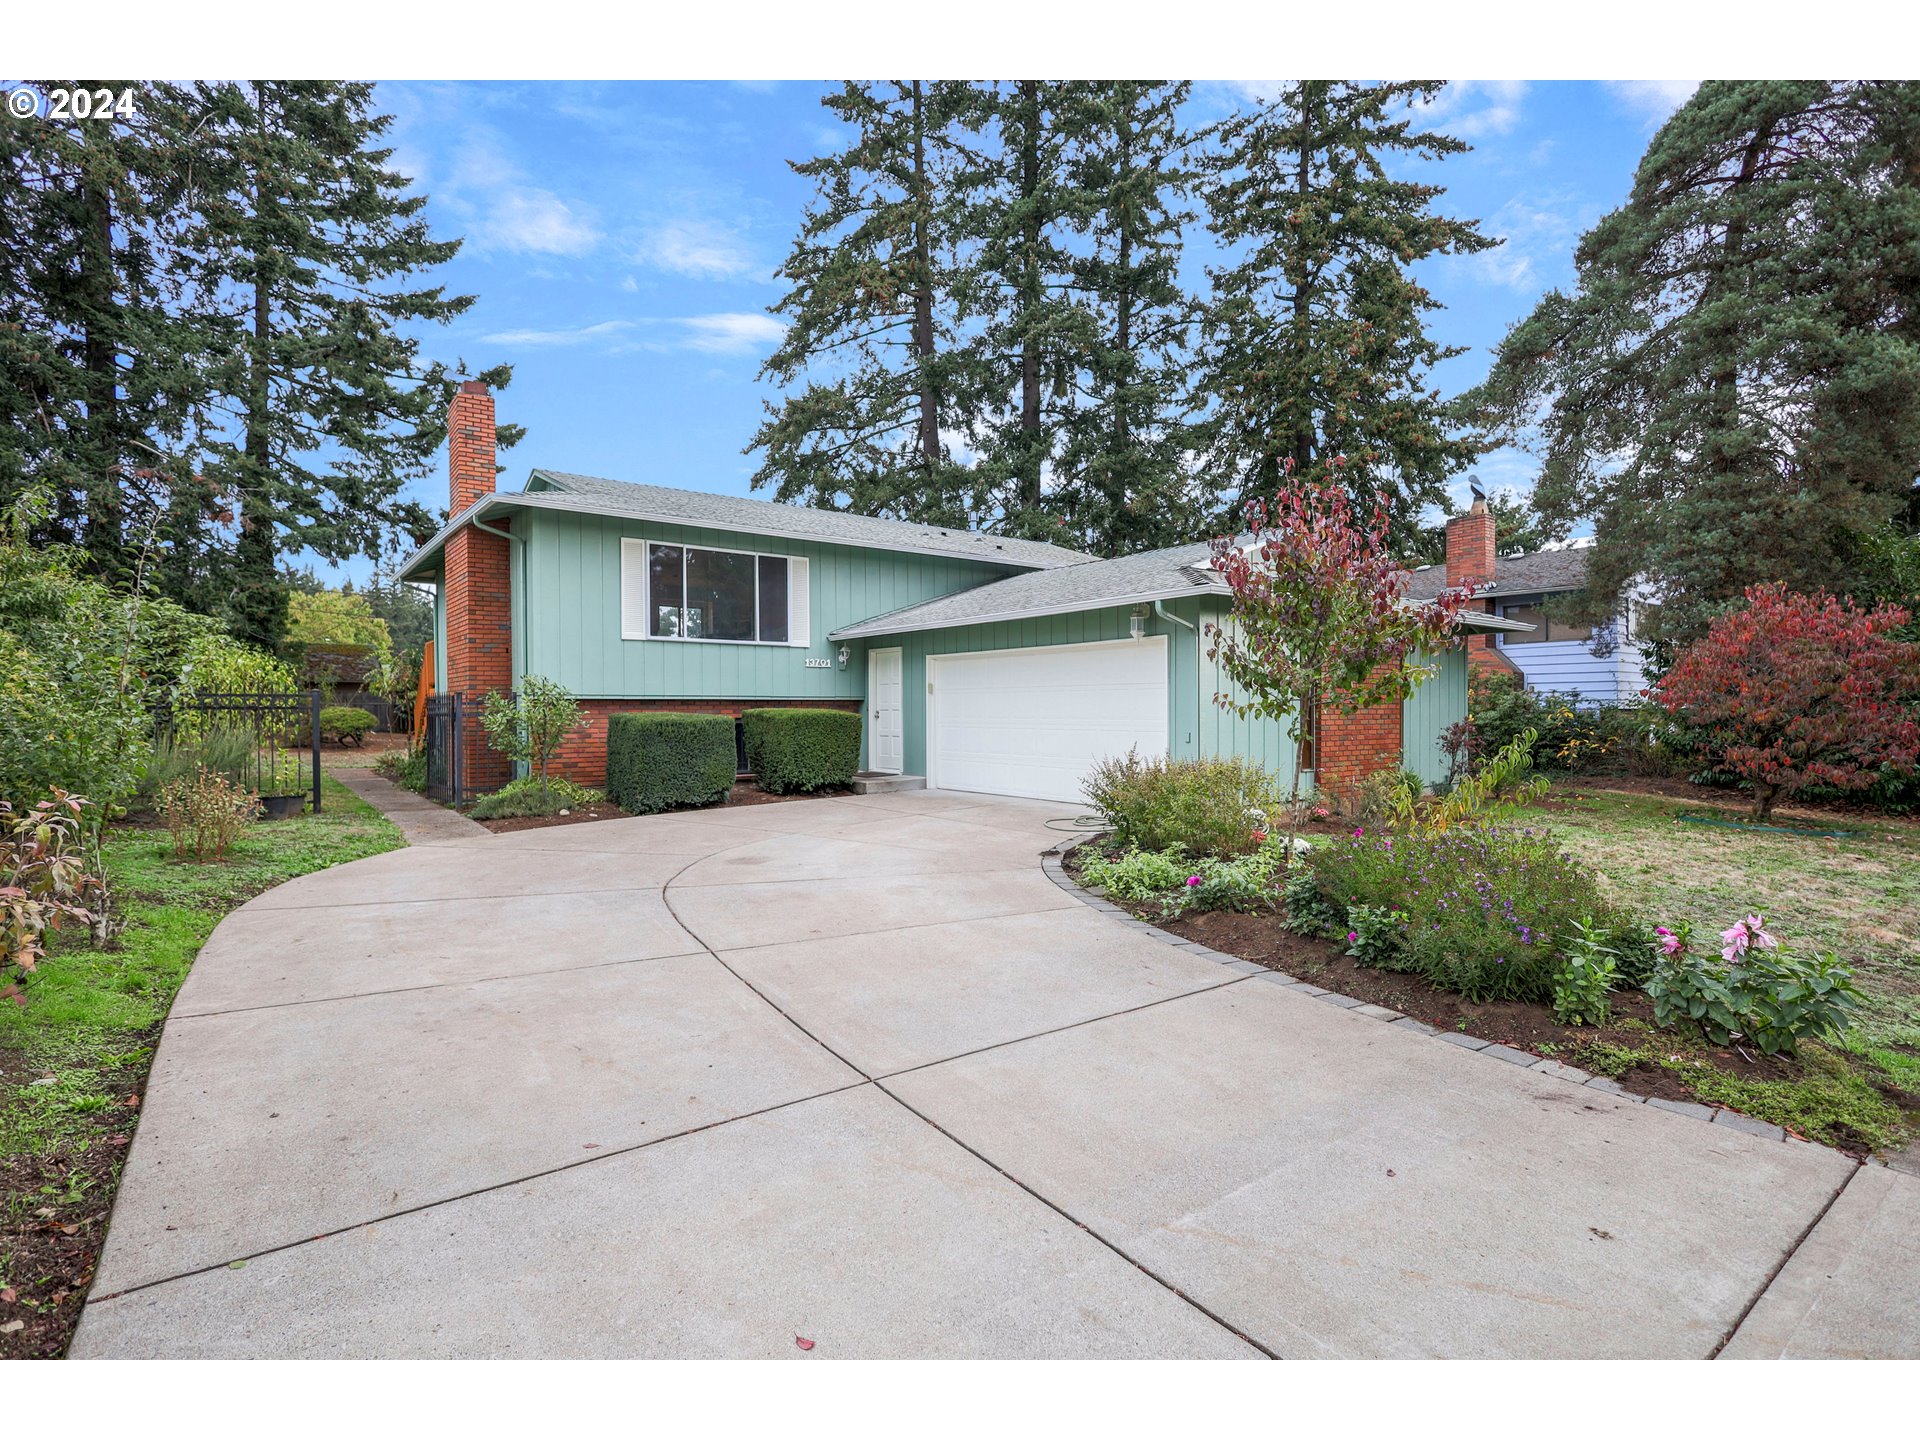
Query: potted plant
[{"x": 283, "y": 790}]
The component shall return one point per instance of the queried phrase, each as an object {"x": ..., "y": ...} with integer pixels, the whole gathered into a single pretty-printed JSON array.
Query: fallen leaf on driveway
[{"x": 803, "y": 1342}]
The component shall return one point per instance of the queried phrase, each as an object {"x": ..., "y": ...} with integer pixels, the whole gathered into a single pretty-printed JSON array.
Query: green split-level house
[{"x": 977, "y": 662}]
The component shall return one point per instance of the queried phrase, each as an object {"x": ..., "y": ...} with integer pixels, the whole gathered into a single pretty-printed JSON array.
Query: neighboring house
[
  {"x": 1603, "y": 663},
  {"x": 977, "y": 661}
]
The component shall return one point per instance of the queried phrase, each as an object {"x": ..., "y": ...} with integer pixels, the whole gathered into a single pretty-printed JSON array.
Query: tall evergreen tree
[
  {"x": 95, "y": 387},
  {"x": 1316, "y": 354},
  {"x": 1027, "y": 334},
  {"x": 1732, "y": 391},
  {"x": 307, "y": 245},
  {"x": 869, "y": 317},
  {"x": 1124, "y": 479}
]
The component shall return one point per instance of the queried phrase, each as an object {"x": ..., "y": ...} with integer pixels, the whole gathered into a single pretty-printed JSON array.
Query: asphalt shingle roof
[
  {"x": 736, "y": 512},
  {"x": 1537, "y": 573},
  {"x": 1155, "y": 574}
]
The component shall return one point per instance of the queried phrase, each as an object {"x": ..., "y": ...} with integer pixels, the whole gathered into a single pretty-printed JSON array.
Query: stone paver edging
[{"x": 1053, "y": 862}]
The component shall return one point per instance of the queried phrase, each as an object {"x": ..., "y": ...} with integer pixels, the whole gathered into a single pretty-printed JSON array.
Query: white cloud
[
  {"x": 695, "y": 248},
  {"x": 731, "y": 334},
  {"x": 1476, "y": 109},
  {"x": 629, "y": 284},
  {"x": 578, "y": 336},
  {"x": 1540, "y": 232},
  {"x": 529, "y": 219},
  {"x": 1653, "y": 100}
]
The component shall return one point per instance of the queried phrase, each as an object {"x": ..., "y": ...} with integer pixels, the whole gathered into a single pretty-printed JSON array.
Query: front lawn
[
  {"x": 1859, "y": 897},
  {"x": 74, "y": 1058}
]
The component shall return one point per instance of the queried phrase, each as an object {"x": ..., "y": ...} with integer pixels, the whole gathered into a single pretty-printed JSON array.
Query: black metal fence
[
  {"x": 266, "y": 740},
  {"x": 447, "y": 719}
]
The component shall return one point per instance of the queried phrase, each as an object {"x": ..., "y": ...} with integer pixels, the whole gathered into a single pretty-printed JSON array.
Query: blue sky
[{"x": 622, "y": 238}]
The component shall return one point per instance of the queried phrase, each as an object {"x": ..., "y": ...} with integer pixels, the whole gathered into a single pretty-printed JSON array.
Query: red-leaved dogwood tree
[
  {"x": 1800, "y": 689},
  {"x": 1320, "y": 615}
]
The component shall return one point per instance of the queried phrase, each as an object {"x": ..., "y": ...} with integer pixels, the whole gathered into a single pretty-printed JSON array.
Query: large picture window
[
  {"x": 1544, "y": 627},
  {"x": 699, "y": 594}
]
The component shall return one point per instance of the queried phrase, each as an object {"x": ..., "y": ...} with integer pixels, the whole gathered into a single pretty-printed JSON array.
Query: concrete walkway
[
  {"x": 421, "y": 821},
  {"x": 856, "y": 1070}
]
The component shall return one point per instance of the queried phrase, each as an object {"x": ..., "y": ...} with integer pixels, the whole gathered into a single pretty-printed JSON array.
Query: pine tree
[
  {"x": 870, "y": 318},
  {"x": 1316, "y": 353},
  {"x": 1732, "y": 391},
  {"x": 309, "y": 247}
]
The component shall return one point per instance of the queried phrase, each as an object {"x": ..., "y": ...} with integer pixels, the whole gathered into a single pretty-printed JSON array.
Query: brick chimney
[
  {"x": 478, "y": 578},
  {"x": 1471, "y": 555},
  {"x": 470, "y": 454}
]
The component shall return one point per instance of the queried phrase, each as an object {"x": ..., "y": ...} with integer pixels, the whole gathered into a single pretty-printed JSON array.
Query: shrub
[
  {"x": 1490, "y": 914},
  {"x": 405, "y": 768},
  {"x": 799, "y": 749},
  {"x": 1581, "y": 988},
  {"x": 529, "y": 725},
  {"x": 527, "y": 796},
  {"x": 231, "y": 753},
  {"x": 1380, "y": 796},
  {"x": 44, "y": 879},
  {"x": 1308, "y": 911},
  {"x": 658, "y": 761},
  {"x": 1798, "y": 689},
  {"x": 348, "y": 724},
  {"x": 1759, "y": 990},
  {"x": 205, "y": 813},
  {"x": 1491, "y": 793},
  {"x": 1210, "y": 807},
  {"x": 1137, "y": 874}
]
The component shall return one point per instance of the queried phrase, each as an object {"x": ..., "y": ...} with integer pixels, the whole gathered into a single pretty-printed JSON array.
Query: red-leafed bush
[{"x": 1801, "y": 689}]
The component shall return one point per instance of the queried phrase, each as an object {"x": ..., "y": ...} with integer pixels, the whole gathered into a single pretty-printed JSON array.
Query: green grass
[
  {"x": 87, "y": 1028},
  {"x": 1859, "y": 897}
]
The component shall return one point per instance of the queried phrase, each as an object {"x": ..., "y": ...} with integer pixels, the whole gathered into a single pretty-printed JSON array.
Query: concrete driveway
[{"x": 856, "y": 1070}]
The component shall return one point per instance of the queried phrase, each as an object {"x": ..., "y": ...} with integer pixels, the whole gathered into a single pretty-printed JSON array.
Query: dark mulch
[
  {"x": 1520, "y": 1024},
  {"x": 52, "y": 1235},
  {"x": 1263, "y": 938}
]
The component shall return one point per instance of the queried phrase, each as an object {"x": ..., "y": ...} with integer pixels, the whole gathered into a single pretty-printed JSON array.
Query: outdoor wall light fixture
[
  {"x": 1138, "y": 623},
  {"x": 845, "y": 654}
]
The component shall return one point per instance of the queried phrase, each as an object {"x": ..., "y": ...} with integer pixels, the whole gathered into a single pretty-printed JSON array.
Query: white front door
[{"x": 884, "y": 726}]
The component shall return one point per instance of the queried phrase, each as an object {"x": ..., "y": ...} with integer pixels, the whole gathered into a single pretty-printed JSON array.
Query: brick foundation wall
[{"x": 582, "y": 756}]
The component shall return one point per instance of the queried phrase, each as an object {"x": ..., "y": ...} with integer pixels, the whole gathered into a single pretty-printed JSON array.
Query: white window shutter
[
  {"x": 799, "y": 603},
  {"x": 633, "y": 589}
]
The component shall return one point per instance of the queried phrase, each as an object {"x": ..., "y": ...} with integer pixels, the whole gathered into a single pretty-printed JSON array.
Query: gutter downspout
[{"x": 1160, "y": 609}]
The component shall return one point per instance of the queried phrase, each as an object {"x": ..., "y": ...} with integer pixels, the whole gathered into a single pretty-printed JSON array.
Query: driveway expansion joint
[{"x": 1053, "y": 863}]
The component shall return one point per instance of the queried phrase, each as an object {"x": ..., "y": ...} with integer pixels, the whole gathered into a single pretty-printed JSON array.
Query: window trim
[
  {"x": 647, "y": 543},
  {"x": 1545, "y": 635}
]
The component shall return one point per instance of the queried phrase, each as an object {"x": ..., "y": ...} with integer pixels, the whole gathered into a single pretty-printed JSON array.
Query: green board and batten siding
[
  {"x": 1425, "y": 715},
  {"x": 573, "y": 634},
  {"x": 1195, "y": 725}
]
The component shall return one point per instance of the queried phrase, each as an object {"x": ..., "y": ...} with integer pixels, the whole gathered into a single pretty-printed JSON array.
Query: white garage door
[{"x": 1030, "y": 722}]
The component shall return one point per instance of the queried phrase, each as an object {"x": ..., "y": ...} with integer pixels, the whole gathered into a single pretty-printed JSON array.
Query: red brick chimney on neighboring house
[
  {"x": 478, "y": 580},
  {"x": 1471, "y": 556}
]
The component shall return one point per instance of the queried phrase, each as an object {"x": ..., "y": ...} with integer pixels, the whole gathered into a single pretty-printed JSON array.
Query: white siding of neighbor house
[{"x": 1570, "y": 665}]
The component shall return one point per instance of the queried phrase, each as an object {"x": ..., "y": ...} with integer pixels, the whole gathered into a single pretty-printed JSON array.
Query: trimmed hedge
[
  {"x": 658, "y": 761},
  {"x": 790, "y": 749},
  {"x": 348, "y": 724}
]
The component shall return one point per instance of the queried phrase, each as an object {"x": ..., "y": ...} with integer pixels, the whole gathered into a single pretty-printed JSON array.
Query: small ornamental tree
[
  {"x": 528, "y": 727},
  {"x": 1800, "y": 689},
  {"x": 1320, "y": 615}
]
